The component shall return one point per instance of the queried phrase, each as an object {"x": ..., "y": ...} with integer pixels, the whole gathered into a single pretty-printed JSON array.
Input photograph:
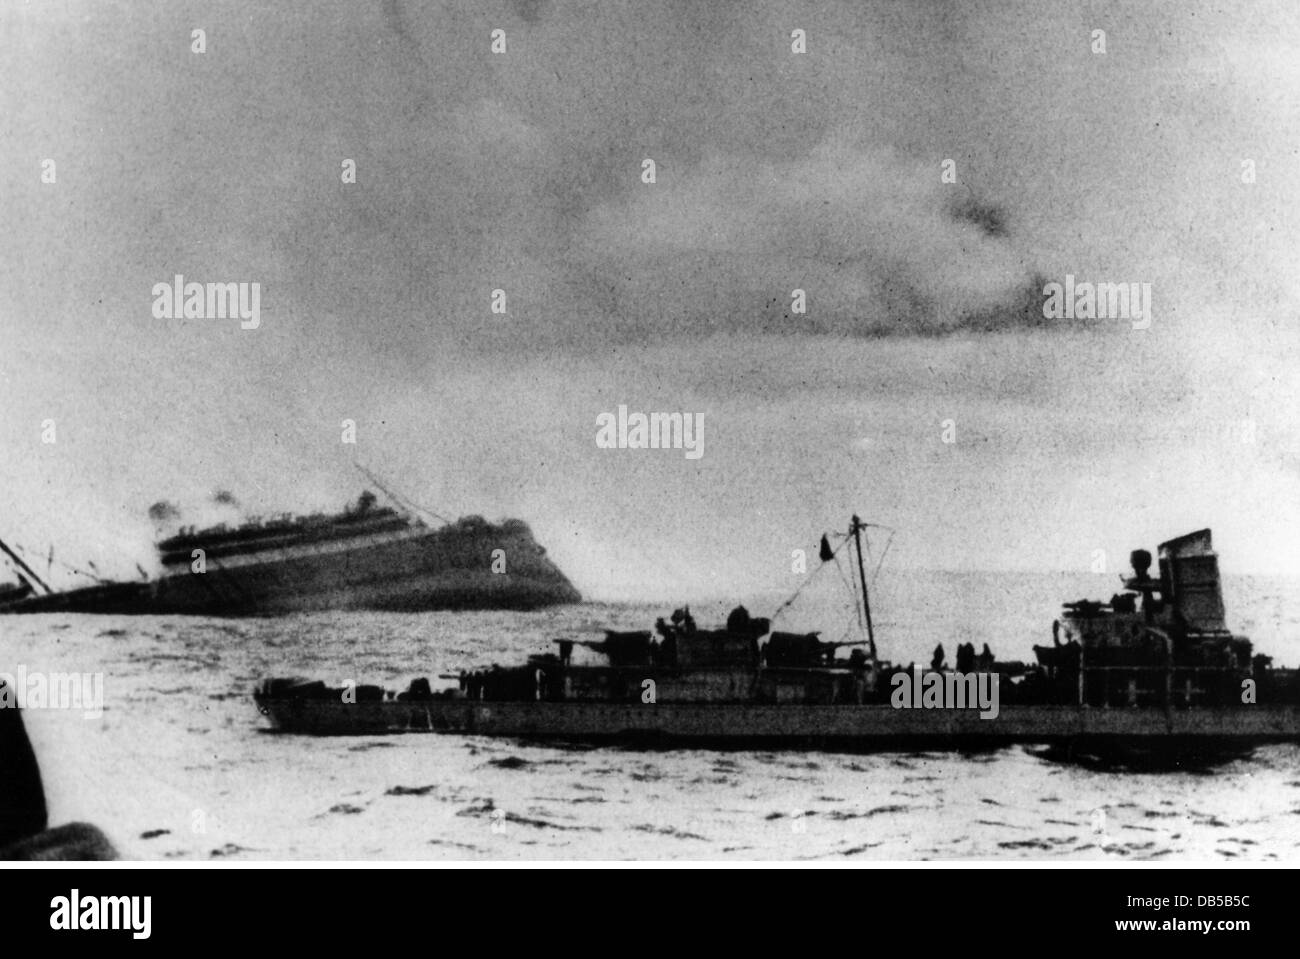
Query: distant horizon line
[{"x": 597, "y": 597}]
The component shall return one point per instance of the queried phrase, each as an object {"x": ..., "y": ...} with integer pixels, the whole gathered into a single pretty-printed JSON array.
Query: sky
[{"x": 522, "y": 171}]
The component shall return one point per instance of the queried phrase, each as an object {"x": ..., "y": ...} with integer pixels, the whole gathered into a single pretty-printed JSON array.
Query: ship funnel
[{"x": 1190, "y": 568}]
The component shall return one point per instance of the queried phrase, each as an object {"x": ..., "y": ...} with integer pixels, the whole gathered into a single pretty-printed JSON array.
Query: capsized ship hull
[
  {"x": 381, "y": 564},
  {"x": 416, "y": 569},
  {"x": 846, "y": 726}
]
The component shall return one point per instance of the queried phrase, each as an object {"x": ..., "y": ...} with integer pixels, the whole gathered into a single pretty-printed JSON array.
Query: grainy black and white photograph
[{"x": 844, "y": 431}]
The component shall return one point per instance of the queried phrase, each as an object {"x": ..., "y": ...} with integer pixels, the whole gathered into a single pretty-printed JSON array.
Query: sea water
[{"x": 179, "y": 763}]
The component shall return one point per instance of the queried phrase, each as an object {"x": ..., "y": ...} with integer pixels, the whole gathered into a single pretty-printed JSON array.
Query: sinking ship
[
  {"x": 367, "y": 557},
  {"x": 1155, "y": 667}
]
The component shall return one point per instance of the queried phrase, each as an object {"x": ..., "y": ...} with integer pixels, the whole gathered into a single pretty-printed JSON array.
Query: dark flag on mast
[{"x": 827, "y": 554}]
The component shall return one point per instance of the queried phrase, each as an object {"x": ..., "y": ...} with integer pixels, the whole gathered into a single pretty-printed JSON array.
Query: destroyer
[{"x": 1153, "y": 666}]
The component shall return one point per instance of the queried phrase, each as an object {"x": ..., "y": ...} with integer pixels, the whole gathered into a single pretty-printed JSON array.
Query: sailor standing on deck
[
  {"x": 937, "y": 662},
  {"x": 861, "y": 683}
]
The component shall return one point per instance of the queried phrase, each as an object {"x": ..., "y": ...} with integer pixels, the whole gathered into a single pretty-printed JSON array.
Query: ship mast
[
  {"x": 856, "y": 529},
  {"x": 24, "y": 567}
]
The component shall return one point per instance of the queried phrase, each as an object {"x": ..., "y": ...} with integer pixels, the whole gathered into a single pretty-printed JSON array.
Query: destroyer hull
[{"x": 792, "y": 726}]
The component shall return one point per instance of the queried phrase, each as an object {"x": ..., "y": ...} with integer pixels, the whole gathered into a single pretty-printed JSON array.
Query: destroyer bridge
[{"x": 1154, "y": 666}]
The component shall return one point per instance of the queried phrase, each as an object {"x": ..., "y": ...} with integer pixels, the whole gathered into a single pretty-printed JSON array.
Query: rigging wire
[
  {"x": 409, "y": 505},
  {"x": 889, "y": 542},
  {"x": 844, "y": 579},
  {"x": 802, "y": 586},
  {"x": 848, "y": 586}
]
